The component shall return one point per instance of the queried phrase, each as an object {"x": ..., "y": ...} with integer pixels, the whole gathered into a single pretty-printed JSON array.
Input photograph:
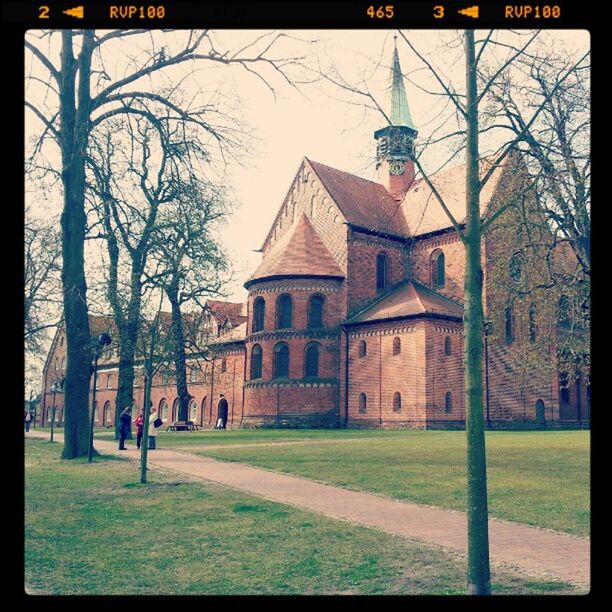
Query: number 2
[{"x": 43, "y": 12}]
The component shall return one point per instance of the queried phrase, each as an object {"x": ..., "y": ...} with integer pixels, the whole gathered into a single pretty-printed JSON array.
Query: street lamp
[
  {"x": 487, "y": 324},
  {"x": 103, "y": 340}
]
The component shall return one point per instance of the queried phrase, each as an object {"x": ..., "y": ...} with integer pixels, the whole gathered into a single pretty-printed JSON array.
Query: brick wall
[
  {"x": 363, "y": 250},
  {"x": 444, "y": 373},
  {"x": 380, "y": 374},
  {"x": 454, "y": 255}
]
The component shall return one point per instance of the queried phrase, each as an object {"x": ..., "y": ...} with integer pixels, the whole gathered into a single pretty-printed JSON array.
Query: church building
[{"x": 354, "y": 317}]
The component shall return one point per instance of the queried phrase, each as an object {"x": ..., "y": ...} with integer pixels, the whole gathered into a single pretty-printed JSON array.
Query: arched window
[
  {"x": 382, "y": 272},
  {"x": 175, "y": 409},
  {"x": 256, "y": 362},
  {"x": 109, "y": 381},
  {"x": 106, "y": 414},
  {"x": 311, "y": 361},
  {"x": 509, "y": 325},
  {"x": 515, "y": 267},
  {"x": 315, "y": 311},
  {"x": 448, "y": 402},
  {"x": 193, "y": 374},
  {"x": 564, "y": 390},
  {"x": 563, "y": 311},
  {"x": 63, "y": 364},
  {"x": 448, "y": 347},
  {"x": 57, "y": 363},
  {"x": 397, "y": 345},
  {"x": 363, "y": 348},
  {"x": 96, "y": 412},
  {"x": 163, "y": 410},
  {"x": 397, "y": 402},
  {"x": 224, "y": 364},
  {"x": 284, "y": 311},
  {"x": 61, "y": 340},
  {"x": 539, "y": 412},
  {"x": 437, "y": 271},
  {"x": 363, "y": 403},
  {"x": 281, "y": 360},
  {"x": 533, "y": 330},
  {"x": 259, "y": 314},
  {"x": 193, "y": 411}
]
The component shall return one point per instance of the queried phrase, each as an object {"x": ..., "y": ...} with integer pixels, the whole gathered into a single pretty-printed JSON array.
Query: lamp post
[
  {"x": 54, "y": 391},
  {"x": 103, "y": 340},
  {"x": 56, "y": 387},
  {"x": 487, "y": 329}
]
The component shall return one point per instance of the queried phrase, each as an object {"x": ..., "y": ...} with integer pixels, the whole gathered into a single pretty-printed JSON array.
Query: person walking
[
  {"x": 222, "y": 410},
  {"x": 139, "y": 428},
  {"x": 28, "y": 420},
  {"x": 152, "y": 429},
  {"x": 125, "y": 426}
]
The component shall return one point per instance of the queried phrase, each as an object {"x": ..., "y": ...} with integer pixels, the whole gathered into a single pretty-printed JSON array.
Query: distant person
[
  {"x": 153, "y": 419},
  {"x": 139, "y": 422},
  {"x": 222, "y": 410},
  {"x": 125, "y": 426},
  {"x": 28, "y": 420}
]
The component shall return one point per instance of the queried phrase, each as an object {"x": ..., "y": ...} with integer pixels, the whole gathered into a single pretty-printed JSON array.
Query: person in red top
[{"x": 139, "y": 423}]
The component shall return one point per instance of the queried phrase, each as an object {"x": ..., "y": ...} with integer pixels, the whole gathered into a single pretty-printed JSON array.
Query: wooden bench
[{"x": 182, "y": 426}]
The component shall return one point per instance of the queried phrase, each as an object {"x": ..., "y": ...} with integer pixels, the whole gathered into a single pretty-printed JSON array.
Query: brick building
[{"x": 354, "y": 316}]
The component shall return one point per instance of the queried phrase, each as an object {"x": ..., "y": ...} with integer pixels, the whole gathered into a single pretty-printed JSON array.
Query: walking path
[{"x": 537, "y": 552}]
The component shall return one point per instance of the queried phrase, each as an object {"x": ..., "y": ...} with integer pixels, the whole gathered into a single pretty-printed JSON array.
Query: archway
[{"x": 540, "y": 412}]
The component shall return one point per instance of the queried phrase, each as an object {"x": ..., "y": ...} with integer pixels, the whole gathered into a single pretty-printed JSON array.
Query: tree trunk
[
  {"x": 127, "y": 351},
  {"x": 74, "y": 135},
  {"x": 479, "y": 582},
  {"x": 179, "y": 353}
]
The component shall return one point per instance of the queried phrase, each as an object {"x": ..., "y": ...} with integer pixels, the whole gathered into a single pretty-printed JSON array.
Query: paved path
[{"x": 537, "y": 552}]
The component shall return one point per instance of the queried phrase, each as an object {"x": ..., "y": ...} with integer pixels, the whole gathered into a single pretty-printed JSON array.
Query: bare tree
[
  {"x": 41, "y": 276},
  {"x": 189, "y": 264},
  {"x": 84, "y": 86}
]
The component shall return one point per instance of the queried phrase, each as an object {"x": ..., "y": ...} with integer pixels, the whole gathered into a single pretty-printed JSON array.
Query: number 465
[{"x": 382, "y": 12}]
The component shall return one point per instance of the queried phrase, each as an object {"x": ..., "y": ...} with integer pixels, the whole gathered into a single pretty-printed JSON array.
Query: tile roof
[
  {"x": 362, "y": 202},
  {"x": 408, "y": 298},
  {"x": 300, "y": 252},
  {"x": 421, "y": 209},
  {"x": 234, "y": 311}
]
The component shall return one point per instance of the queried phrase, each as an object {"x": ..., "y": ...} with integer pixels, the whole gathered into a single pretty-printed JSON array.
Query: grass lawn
[
  {"x": 538, "y": 478},
  {"x": 91, "y": 529}
]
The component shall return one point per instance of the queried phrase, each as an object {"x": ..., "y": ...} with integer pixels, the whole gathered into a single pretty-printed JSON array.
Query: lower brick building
[{"x": 354, "y": 318}]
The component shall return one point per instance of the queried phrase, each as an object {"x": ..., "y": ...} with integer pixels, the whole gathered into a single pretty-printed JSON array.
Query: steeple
[
  {"x": 395, "y": 150},
  {"x": 400, "y": 113}
]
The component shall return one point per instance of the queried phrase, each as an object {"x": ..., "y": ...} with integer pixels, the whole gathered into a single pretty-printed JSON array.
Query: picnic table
[{"x": 182, "y": 426}]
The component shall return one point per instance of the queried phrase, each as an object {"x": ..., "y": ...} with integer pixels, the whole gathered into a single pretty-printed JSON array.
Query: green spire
[{"x": 400, "y": 113}]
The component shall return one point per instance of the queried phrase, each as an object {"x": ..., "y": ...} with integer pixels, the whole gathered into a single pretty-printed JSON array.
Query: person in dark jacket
[
  {"x": 222, "y": 410},
  {"x": 125, "y": 426}
]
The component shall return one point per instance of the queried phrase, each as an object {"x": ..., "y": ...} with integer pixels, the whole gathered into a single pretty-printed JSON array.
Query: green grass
[
  {"x": 537, "y": 478},
  {"x": 92, "y": 529}
]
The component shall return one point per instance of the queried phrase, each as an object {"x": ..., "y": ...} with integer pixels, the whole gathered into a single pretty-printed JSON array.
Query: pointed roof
[
  {"x": 400, "y": 113},
  {"x": 408, "y": 299},
  {"x": 362, "y": 202},
  {"x": 300, "y": 252}
]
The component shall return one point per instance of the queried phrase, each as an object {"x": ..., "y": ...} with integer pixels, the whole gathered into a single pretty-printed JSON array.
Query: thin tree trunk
[
  {"x": 74, "y": 136},
  {"x": 479, "y": 582}
]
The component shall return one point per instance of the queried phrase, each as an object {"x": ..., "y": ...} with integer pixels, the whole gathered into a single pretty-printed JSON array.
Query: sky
[{"x": 319, "y": 120}]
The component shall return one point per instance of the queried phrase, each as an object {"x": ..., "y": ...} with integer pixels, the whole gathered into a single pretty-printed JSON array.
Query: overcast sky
[{"x": 317, "y": 121}]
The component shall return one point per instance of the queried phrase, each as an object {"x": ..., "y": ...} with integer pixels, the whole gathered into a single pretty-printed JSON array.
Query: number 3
[{"x": 438, "y": 12}]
